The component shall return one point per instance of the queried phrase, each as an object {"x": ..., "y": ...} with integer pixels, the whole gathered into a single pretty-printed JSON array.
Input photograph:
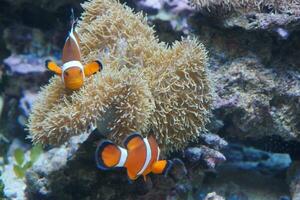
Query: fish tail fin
[
  {"x": 109, "y": 155},
  {"x": 162, "y": 167}
]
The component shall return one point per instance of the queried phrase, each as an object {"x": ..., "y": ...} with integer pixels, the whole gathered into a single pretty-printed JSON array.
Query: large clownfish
[
  {"x": 73, "y": 72},
  {"x": 139, "y": 158}
]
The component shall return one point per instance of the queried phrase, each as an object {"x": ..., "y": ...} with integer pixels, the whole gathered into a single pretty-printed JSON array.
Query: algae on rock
[
  {"x": 276, "y": 6},
  {"x": 281, "y": 16}
]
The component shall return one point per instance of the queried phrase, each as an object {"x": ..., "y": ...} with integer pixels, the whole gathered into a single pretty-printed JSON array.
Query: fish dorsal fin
[
  {"x": 152, "y": 139},
  {"x": 133, "y": 141},
  {"x": 71, "y": 50},
  {"x": 154, "y": 147}
]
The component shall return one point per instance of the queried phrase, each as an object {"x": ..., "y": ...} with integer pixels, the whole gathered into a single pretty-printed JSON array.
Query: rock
[
  {"x": 248, "y": 158},
  {"x": 1, "y": 189},
  {"x": 252, "y": 15},
  {"x": 178, "y": 170},
  {"x": 60, "y": 171},
  {"x": 256, "y": 100},
  {"x": 65, "y": 166},
  {"x": 254, "y": 64},
  {"x": 211, "y": 157},
  {"x": 256, "y": 103},
  {"x": 237, "y": 178},
  {"x": 55, "y": 159},
  {"x": 169, "y": 17},
  {"x": 20, "y": 39},
  {"x": 294, "y": 180},
  {"x": 193, "y": 154},
  {"x": 44, "y": 14},
  {"x": 213, "y": 140},
  {"x": 26, "y": 101},
  {"x": 263, "y": 21},
  {"x": 13, "y": 186},
  {"x": 284, "y": 198},
  {"x": 1, "y": 104},
  {"x": 213, "y": 196},
  {"x": 22, "y": 74},
  {"x": 257, "y": 85},
  {"x": 24, "y": 64}
]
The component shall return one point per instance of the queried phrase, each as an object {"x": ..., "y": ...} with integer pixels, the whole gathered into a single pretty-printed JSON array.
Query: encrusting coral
[
  {"x": 245, "y": 6},
  {"x": 145, "y": 85}
]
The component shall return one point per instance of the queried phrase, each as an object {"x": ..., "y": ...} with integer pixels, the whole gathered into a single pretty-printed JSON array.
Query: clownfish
[
  {"x": 140, "y": 157},
  {"x": 72, "y": 71}
]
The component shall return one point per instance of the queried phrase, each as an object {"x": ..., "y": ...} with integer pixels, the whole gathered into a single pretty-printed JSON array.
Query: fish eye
[{"x": 66, "y": 74}]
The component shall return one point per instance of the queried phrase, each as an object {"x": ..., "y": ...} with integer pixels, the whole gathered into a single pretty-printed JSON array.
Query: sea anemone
[{"x": 145, "y": 85}]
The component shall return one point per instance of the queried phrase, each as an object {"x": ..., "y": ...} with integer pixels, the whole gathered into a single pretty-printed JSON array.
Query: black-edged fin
[
  {"x": 107, "y": 155},
  {"x": 100, "y": 64},
  {"x": 175, "y": 169},
  {"x": 133, "y": 140},
  {"x": 71, "y": 50},
  {"x": 52, "y": 66},
  {"x": 167, "y": 168},
  {"x": 92, "y": 68}
]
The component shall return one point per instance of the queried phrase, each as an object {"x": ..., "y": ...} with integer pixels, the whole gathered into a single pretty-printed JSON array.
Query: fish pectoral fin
[
  {"x": 107, "y": 155},
  {"x": 145, "y": 177},
  {"x": 161, "y": 167},
  {"x": 52, "y": 66},
  {"x": 131, "y": 175},
  {"x": 92, "y": 68}
]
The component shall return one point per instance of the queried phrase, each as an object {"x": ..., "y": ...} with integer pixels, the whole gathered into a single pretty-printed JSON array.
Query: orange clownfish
[
  {"x": 73, "y": 72},
  {"x": 139, "y": 158}
]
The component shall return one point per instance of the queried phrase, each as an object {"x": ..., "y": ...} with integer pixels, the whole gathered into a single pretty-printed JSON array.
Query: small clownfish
[
  {"x": 139, "y": 158},
  {"x": 73, "y": 72}
]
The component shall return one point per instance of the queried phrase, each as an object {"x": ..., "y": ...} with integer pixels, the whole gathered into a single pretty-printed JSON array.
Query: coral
[
  {"x": 145, "y": 85},
  {"x": 50, "y": 176},
  {"x": 210, "y": 157},
  {"x": 256, "y": 85},
  {"x": 170, "y": 18},
  {"x": 293, "y": 178},
  {"x": 22, "y": 165},
  {"x": 1, "y": 189},
  {"x": 13, "y": 186},
  {"x": 24, "y": 64},
  {"x": 261, "y": 105},
  {"x": 281, "y": 16},
  {"x": 213, "y": 196},
  {"x": 213, "y": 140},
  {"x": 276, "y": 6}
]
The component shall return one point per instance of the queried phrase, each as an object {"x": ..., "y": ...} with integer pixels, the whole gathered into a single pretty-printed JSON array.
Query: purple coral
[{"x": 23, "y": 64}]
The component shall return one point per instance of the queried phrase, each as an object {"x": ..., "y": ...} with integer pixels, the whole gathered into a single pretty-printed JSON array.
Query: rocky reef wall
[{"x": 254, "y": 68}]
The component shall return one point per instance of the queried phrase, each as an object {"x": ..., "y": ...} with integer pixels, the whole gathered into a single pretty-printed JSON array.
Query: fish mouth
[{"x": 74, "y": 85}]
